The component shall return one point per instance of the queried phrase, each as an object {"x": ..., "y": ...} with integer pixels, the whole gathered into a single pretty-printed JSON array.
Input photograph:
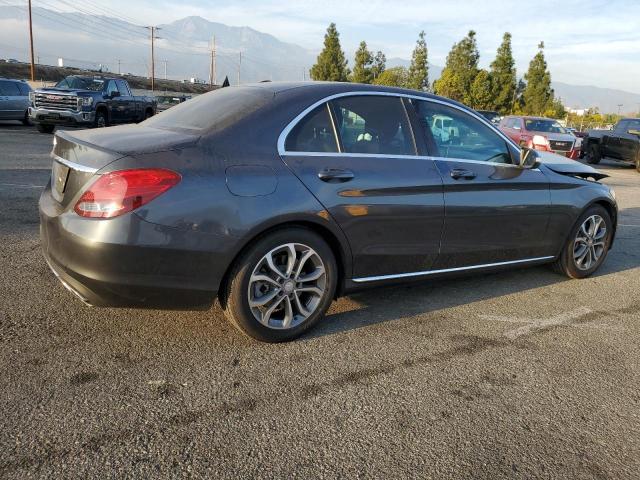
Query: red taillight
[{"x": 123, "y": 191}]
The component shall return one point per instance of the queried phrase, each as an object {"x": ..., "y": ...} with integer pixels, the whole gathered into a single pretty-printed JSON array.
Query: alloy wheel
[
  {"x": 590, "y": 242},
  {"x": 287, "y": 286}
]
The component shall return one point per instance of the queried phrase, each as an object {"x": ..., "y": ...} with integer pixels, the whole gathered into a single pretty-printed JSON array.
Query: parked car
[
  {"x": 539, "y": 133},
  {"x": 165, "y": 102},
  {"x": 14, "y": 100},
  {"x": 88, "y": 101},
  {"x": 621, "y": 144},
  {"x": 276, "y": 198},
  {"x": 492, "y": 116}
]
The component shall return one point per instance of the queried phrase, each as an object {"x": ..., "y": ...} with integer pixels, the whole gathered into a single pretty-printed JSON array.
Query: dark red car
[{"x": 541, "y": 133}]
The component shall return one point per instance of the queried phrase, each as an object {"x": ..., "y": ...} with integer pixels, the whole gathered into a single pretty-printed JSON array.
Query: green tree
[
  {"x": 331, "y": 64},
  {"x": 503, "y": 77},
  {"x": 379, "y": 64},
  {"x": 460, "y": 70},
  {"x": 419, "y": 68},
  {"x": 362, "y": 66},
  {"x": 481, "y": 94},
  {"x": 556, "y": 109},
  {"x": 393, "y": 77},
  {"x": 537, "y": 95}
]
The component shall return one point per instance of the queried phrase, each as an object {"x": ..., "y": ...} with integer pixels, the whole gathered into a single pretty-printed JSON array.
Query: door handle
[
  {"x": 335, "y": 175},
  {"x": 458, "y": 173}
]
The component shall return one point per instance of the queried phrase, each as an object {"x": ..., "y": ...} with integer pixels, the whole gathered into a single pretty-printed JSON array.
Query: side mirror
[
  {"x": 528, "y": 158},
  {"x": 115, "y": 94}
]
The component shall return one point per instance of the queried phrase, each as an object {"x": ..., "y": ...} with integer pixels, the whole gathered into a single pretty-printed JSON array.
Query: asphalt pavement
[{"x": 522, "y": 374}]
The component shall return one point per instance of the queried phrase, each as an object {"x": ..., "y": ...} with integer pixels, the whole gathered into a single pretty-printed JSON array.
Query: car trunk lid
[{"x": 79, "y": 155}]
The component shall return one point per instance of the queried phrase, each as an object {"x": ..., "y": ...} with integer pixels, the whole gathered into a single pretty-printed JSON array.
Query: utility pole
[
  {"x": 33, "y": 67},
  {"x": 119, "y": 61},
  {"x": 153, "y": 67},
  {"x": 212, "y": 68},
  {"x": 165, "y": 69},
  {"x": 619, "y": 108},
  {"x": 239, "y": 67}
]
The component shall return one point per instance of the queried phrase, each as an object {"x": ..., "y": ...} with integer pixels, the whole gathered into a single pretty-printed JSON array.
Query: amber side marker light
[{"x": 123, "y": 191}]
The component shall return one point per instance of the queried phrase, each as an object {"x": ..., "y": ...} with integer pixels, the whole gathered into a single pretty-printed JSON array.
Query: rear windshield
[
  {"x": 213, "y": 110},
  {"x": 548, "y": 126}
]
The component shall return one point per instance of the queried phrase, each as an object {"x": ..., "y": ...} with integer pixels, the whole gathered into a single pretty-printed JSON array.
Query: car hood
[
  {"x": 564, "y": 166},
  {"x": 560, "y": 137},
  {"x": 67, "y": 91}
]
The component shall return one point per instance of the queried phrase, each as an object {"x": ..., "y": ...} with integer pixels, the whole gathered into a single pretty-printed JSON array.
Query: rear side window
[
  {"x": 373, "y": 124},
  {"x": 9, "y": 88},
  {"x": 314, "y": 133},
  {"x": 122, "y": 88}
]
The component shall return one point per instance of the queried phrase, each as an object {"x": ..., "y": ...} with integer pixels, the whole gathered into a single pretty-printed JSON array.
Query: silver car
[{"x": 14, "y": 100}]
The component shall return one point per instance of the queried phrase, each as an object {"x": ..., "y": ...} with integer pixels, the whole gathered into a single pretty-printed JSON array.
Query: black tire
[
  {"x": 638, "y": 162},
  {"x": 45, "y": 128},
  {"x": 26, "y": 121},
  {"x": 593, "y": 154},
  {"x": 235, "y": 294},
  {"x": 101, "y": 120},
  {"x": 148, "y": 114},
  {"x": 566, "y": 264}
]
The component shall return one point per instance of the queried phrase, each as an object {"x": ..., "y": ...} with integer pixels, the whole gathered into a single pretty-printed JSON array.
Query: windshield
[
  {"x": 81, "y": 83},
  {"x": 633, "y": 125},
  {"x": 547, "y": 126}
]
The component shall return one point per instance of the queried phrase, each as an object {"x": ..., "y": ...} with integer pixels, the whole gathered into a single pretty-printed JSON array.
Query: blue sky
[{"x": 588, "y": 42}]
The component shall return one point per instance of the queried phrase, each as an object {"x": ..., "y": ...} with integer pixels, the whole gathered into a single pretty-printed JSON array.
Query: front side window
[
  {"x": 122, "y": 88},
  {"x": 458, "y": 135},
  {"x": 111, "y": 88},
  {"x": 314, "y": 133},
  {"x": 374, "y": 125}
]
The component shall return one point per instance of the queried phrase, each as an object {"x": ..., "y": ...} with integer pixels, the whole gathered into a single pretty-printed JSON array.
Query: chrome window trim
[
  {"x": 285, "y": 132},
  {"x": 447, "y": 270},
  {"x": 73, "y": 165}
]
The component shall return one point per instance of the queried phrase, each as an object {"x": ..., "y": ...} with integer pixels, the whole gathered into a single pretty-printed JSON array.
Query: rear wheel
[
  {"x": 148, "y": 114},
  {"x": 593, "y": 154},
  {"x": 281, "y": 286},
  {"x": 45, "y": 128},
  {"x": 588, "y": 244}
]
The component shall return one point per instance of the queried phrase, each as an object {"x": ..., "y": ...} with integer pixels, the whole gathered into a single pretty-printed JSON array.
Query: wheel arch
[
  {"x": 609, "y": 206},
  {"x": 336, "y": 241}
]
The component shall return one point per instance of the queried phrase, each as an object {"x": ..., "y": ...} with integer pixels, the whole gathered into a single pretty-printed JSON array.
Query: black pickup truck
[
  {"x": 621, "y": 144},
  {"x": 88, "y": 101}
]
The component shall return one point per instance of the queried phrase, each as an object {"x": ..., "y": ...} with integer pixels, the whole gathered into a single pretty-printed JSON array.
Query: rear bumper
[
  {"x": 126, "y": 261},
  {"x": 61, "y": 117}
]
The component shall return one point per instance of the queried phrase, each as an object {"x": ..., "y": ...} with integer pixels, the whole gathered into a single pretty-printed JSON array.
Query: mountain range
[{"x": 183, "y": 50}]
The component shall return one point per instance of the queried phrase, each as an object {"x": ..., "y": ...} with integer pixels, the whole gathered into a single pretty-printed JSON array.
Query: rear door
[
  {"x": 629, "y": 142},
  {"x": 11, "y": 103},
  {"x": 357, "y": 155},
  {"x": 126, "y": 102},
  {"x": 494, "y": 211}
]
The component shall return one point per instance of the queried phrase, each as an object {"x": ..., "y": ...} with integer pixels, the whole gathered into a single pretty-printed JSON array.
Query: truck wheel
[
  {"x": 148, "y": 114},
  {"x": 26, "y": 121},
  {"x": 44, "y": 128},
  {"x": 593, "y": 154},
  {"x": 101, "y": 119}
]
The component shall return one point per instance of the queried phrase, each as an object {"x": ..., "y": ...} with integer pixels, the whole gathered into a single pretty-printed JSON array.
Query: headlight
[
  {"x": 32, "y": 97},
  {"x": 86, "y": 101},
  {"x": 540, "y": 141}
]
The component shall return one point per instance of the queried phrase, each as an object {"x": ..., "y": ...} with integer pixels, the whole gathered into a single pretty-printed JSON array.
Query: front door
[
  {"x": 495, "y": 211},
  {"x": 357, "y": 155}
]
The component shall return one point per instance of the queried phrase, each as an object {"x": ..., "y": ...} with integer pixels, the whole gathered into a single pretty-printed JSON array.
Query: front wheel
[
  {"x": 26, "y": 121},
  {"x": 45, "y": 128},
  {"x": 588, "y": 244},
  {"x": 593, "y": 154},
  {"x": 101, "y": 119},
  {"x": 281, "y": 286}
]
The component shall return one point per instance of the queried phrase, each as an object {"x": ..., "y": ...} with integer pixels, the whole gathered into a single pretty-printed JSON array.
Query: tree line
[{"x": 462, "y": 80}]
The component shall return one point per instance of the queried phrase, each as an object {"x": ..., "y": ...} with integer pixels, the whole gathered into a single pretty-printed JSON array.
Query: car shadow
[{"x": 385, "y": 304}]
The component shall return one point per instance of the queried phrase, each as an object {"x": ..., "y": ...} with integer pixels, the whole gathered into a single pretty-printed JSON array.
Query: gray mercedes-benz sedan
[{"x": 276, "y": 198}]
